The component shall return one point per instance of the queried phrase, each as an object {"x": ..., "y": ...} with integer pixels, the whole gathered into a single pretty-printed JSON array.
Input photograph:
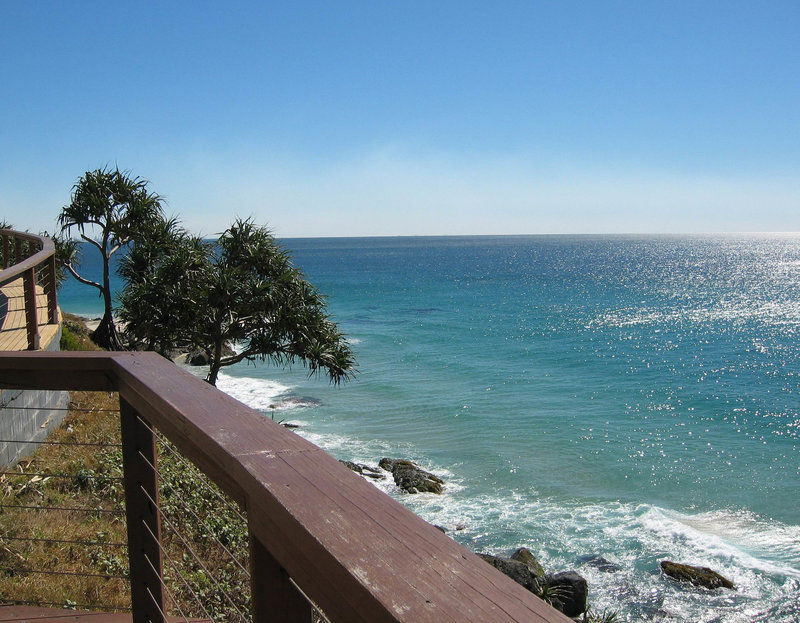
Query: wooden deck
[
  {"x": 13, "y": 334},
  {"x": 21, "y": 614}
]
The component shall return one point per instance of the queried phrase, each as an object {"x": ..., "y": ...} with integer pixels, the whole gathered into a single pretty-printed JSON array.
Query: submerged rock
[
  {"x": 364, "y": 470},
  {"x": 698, "y": 576},
  {"x": 573, "y": 592},
  {"x": 599, "y": 562},
  {"x": 410, "y": 477},
  {"x": 524, "y": 555}
]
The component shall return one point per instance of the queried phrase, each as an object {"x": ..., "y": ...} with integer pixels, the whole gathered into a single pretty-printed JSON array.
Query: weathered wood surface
[
  {"x": 359, "y": 554},
  {"x": 46, "y": 250},
  {"x": 13, "y": 329},
  {"x": 30, "y": 315},
  {"x": 22, "y": 614}
]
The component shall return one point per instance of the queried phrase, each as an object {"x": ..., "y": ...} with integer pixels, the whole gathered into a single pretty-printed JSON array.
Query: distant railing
[
  {"x": 319, "y": 534},
  {"x": 32, "y": 258}
]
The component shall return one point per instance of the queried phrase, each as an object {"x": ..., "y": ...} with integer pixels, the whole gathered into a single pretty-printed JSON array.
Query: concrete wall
[{"x": 27, "y": 416}]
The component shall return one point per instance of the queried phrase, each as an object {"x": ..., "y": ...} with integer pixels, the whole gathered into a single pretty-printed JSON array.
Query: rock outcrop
[
  {"x": 567, "y": 592},
  {"x": 524, "y": 555},
  {"x": 572, "y": 592},
  {"x": 410, "y": 477},
  {"x": 516, "y": 570},
  {"x": 698, "y": 576}
]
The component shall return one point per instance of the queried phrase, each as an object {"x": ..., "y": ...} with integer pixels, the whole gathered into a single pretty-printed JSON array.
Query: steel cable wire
[
  {"x": 177, "y": 570},
  {"x": 191, "y": 551}
]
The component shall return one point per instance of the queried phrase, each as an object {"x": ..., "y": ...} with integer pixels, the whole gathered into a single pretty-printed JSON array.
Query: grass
[
  {"x": 75, "y": 334},
  {"x": 67, "y": 541}
]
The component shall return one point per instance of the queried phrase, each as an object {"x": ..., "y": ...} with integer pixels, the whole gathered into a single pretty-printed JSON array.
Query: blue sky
[{"x": 390, "y": 118}]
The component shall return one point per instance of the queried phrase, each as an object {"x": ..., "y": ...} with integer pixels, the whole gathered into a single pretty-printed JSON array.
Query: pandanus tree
[
  {"x": 109, "y": 210},
  {"x": 240, "y": 290}
]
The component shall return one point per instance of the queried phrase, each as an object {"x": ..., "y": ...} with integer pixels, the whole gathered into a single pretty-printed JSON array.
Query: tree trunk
[
  {"x": 105, "y": 335},
  {"x": 215, "y": 362}
]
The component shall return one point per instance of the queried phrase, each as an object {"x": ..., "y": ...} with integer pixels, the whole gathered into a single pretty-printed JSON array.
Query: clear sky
[{"x": 390, "y": 117}]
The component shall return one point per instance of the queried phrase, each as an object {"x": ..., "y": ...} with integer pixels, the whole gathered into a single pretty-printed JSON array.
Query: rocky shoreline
[{"x": 567, "y": 591}]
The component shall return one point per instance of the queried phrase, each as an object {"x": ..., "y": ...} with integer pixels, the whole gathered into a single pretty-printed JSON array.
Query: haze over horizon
[{"x": 364, "y": 119}]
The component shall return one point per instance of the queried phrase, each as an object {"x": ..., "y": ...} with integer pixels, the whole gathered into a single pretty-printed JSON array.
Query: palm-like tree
[{"x": 109, "y": 209}]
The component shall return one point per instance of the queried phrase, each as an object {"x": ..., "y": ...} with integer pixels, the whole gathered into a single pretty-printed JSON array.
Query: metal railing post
[
  {"x": 144, "y": 521},
  {"x": 273, "y": 596},
  {"x": 31, "y": 313}
]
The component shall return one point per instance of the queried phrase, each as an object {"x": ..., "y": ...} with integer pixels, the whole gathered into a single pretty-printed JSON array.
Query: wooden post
[
  {"x": 6, "y": 251},
  {"x": 31, "y": 313},
  {"x": 144, "y": 522},
  {"x": 18, "y": 250},
  {"x": 273, "y": 596},
  {"x": 50, "y": 287}
]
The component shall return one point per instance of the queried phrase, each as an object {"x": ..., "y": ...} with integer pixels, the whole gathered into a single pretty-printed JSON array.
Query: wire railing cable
[
  {"x": 177, "y": 569},
  {"x": 62, "y": 541},
  {"x": 64, "y": 443},
  {"x": 78, "y": 574},
  {"x": 65, "y": 509},
  {"x": 166, "y": 522},
  {"x": 55, "y": 604},
  {"x": 174, "y": 602}
]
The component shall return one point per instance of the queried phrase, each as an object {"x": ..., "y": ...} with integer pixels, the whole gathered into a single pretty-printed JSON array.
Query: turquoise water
[{"x": 634, "y": 397}]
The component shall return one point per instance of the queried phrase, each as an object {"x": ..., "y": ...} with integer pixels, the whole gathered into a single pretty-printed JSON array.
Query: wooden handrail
[
  {"x": 27, "y": 269},
  {"x": 356, "y": 552}
]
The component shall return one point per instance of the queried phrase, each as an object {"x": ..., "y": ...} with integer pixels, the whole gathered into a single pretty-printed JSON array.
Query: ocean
[{"x": 632, "y": 397}]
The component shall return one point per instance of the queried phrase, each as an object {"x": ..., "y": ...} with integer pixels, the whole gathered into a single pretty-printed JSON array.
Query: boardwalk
[
  {"x": 22, "y": 614},
  {"x": 13, "y": 335}
]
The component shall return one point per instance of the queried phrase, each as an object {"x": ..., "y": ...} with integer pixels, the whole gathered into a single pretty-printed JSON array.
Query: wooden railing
[
  {"x": 313, "y": 524},
  {"x": 33, "y": 259}
]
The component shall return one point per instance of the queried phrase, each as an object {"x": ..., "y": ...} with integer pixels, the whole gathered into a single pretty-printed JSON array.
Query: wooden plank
[
  {"x": 21, "y": 614},
  {"x": 89, "y": 370},
  {"x": 140, "y": 470},
  {"x": 274, "y": 596}
]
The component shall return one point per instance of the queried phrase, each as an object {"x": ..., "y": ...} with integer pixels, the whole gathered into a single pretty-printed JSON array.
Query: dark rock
[
  {"x": 201, "y": 357},
  {"x": 440, "y": 528},
  {"x": 197, "y": 358},
  {"x": 698, "y": 576},
  {"x": 573, "y": 592},
  {"x": 364, "y": 470},
  {"x": 410, "y": 477},
  {"x": 599, "y": 562},
  {"x": 523, "y": 555},
  {"x": 516, "y": 570}
]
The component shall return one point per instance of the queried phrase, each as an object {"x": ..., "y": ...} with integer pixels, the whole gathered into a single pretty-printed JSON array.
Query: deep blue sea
[{"x": 634, "y": 397}]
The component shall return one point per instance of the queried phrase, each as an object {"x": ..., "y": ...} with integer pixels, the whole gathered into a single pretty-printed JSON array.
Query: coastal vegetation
[
  {"x": 181, "y": 291},
  {"x": 237, "y": 298},
  {"x": 109, "y": 210}
]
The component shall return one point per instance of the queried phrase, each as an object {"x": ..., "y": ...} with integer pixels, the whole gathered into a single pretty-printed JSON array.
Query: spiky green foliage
[
  {"x": 241, "y": 289},
  {"x": 109, "y": 209}
]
